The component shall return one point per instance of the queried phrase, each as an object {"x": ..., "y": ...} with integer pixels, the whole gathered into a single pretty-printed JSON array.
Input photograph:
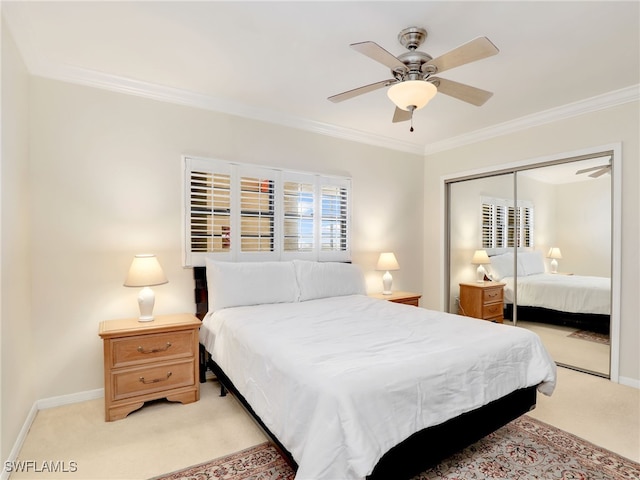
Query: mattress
[
  {"x": 342, "y": 380},
  {"x": 564, "y": 293}
]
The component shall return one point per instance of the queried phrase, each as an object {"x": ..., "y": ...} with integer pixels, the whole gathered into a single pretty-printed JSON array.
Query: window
[
  {"x": 246, "y": 212},
  {"x": 505, "y": 225}
]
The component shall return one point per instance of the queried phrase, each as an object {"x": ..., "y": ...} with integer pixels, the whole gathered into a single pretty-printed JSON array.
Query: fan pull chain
[{"x": 411, "y": 129}]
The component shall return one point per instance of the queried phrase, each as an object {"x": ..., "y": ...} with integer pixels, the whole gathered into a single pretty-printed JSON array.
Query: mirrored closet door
[{"x": 531, "y": 247}]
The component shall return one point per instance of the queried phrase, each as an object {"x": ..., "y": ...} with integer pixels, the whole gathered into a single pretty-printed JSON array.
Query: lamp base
[
  {"x": 146, "y": 300},
  {"x": 386, "y": 283},
  {"x": 480, "y": 273}
]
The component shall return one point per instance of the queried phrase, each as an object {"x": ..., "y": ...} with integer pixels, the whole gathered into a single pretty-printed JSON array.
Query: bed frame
[
  {"x": 420, "y": 451},
  {"x": 587, "y": 321}
]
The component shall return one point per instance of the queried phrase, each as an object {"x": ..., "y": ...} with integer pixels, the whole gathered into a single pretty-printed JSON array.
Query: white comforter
[
  {"x": 341, "y": 380},
  {"x": 565, "y": 293}
]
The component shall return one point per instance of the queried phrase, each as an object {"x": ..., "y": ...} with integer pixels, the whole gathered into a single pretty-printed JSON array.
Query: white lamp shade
[
  {"x": 480, "y": 257},
  {"x": 387, "y": 261},
  {"x": 554, "y": 252},
  {"x": 412, "y": 93},
  {"x": 145, "y": 271}
]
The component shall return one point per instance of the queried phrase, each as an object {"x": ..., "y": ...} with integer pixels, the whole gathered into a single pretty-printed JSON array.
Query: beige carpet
[
  {"x": 571, "y": 350},
  {"x": 525, "y": 449},
  {"x": 164, "y": 437}
]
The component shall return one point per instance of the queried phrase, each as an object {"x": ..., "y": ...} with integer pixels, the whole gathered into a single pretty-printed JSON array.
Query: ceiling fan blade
[
  {"x": 476, "y": 49},
  {"x": 600, "y": 172},
  {"x": 360, "y": 90},
  {"x": 401, "y": 115},
  {"x": 466, "y": 93},
  {"x": 379, "y": 54},
  {"x": 591, "y": 169}
]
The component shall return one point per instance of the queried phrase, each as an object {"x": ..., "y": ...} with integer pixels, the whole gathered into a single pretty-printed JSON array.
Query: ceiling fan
[
  {"x": 598, "y": 170},
  {"x": 412, "y": 83}
]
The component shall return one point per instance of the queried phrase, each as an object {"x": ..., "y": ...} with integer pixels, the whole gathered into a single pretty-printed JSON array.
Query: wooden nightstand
[
  {"x": 147, "y": 361},
  {"x": 408, "y": 298},
  {"x": 482, "y": 300}
]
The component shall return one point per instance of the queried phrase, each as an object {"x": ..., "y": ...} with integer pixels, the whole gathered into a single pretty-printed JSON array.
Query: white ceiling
[{"x": 279, "y": 61}]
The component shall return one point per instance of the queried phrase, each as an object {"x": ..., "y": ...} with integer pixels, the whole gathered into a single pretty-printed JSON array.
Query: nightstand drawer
[
  {"x": 492, "y": 311},
  {"x": 140, "y": 381},
  {"x": 149, "y": 348},
  {"x": 490, "y": 295}
]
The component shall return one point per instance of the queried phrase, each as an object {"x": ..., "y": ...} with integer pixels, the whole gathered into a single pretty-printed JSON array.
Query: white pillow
[
  {"x": 328, "y": 279},
  {"x": 501, "y": 266},
  {"x": 530, "y": 263},
  {"x": 235, "y": 284}
]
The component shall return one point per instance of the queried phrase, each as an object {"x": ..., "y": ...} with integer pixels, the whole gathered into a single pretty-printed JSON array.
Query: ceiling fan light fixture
[{"x": 412, "y": 93}]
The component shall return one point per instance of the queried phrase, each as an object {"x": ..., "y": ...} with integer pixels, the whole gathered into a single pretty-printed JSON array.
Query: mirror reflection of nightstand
[{"x": 482, "y": 300}]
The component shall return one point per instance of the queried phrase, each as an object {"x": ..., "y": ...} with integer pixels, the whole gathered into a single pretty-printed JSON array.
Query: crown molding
[
  {"x": 161, "y": 93},
  {"x": 600, "y": 102}
]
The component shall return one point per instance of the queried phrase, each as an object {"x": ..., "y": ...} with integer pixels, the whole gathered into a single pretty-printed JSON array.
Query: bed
[
  {"x": 573, "y": 300},
  {"x": 353, "y": 387}
]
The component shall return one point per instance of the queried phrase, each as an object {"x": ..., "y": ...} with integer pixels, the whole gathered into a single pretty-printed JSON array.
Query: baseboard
[
  {"x": 52, "y": 402},
  {"x": 43, "y": 404},
  {"x": 13, "y": 455},
  {"x": 629, "y": 382}
]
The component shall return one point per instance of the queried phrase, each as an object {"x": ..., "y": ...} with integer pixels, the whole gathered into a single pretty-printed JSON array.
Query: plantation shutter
[
  {"x": 334, "y": 218},
  {"x": 257, "y": 213},
  {"x": 209, "y": 209},
  {"x": 504, "y": 225},
  {"x": 244, "y": 212},
  {"x": 488, "y": 231},
  {"x": 299, "y": 207}
]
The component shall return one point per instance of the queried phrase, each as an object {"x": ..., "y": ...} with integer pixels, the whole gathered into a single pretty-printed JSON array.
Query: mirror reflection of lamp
[
  {"x": 387, "y": 261},
  {"x": 554, "y": 254},
  {"x": 145, "y": 271},
  {"x": 480, "y": 258}
]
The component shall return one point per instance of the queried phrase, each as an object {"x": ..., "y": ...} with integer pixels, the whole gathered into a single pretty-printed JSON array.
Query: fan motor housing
[{"x": 414, "y": 61}]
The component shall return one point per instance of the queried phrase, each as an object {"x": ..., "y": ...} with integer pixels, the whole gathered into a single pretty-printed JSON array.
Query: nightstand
[
  {"x": 150, "y": 360},
  {"x": 482, "y": 300},
  {"x": 408, "y": 298}
]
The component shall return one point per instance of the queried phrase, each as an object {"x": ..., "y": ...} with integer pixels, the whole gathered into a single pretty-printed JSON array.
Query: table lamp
[
  {"x": 480, "y": 258},
  {"x": 554, "y": 254},
  {"x": 145, "y": 271},
  {"x": 387, "y": 261}
]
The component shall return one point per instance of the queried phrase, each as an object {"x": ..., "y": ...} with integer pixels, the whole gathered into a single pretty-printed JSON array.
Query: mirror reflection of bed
[
  {"x": 560, "y": 284},
  {"x": 570, "y": 312}
]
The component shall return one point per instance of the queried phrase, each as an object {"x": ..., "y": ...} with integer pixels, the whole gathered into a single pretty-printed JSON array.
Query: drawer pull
[
  {"x": 155, "y": 350},
  {"x": 155, "y": 380}
]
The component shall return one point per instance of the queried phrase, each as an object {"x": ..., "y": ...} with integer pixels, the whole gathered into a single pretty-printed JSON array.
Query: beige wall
[
  {"x": 106, "y": 184},
  {"x": 616, "y": 124},
  {"x": 17, "y": 375},
  {"x": 585, "y": 244}
]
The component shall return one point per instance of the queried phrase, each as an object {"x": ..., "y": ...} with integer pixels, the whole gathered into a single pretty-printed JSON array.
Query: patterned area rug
[
  {"x": 525, "y": 449},
  {"x": 602, "y": 338}
]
